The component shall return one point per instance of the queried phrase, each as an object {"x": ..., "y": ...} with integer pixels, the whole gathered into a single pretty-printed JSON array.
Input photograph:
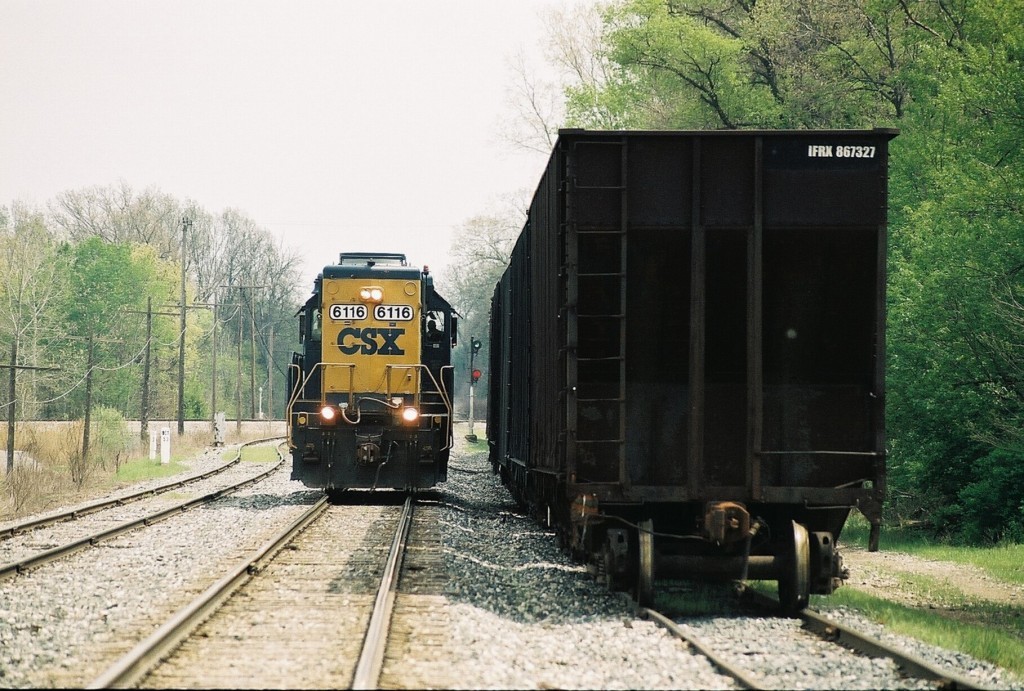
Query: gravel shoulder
[{"x": 521, "y": 615}]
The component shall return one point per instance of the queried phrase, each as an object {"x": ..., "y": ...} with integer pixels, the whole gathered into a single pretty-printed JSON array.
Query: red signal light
[{"x": 476, "y": 375}]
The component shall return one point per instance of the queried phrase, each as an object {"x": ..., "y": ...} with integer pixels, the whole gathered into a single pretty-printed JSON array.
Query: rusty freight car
[{"x": 687, "y": 353}]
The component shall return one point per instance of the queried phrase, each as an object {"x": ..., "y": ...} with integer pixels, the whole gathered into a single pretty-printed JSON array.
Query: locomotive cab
[{"x": 370, "y": 403}]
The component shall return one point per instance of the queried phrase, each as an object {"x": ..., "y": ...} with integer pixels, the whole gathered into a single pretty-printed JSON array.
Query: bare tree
[
  {"x": 536, "y": 108},
  {"x": 574, "y": 55},
  {"x": 480, "y": 250},
  {"x": 120, "y": 215}
]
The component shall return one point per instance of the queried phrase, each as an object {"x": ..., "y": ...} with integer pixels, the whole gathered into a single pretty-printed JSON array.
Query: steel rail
[
  {"x": 866, "y": 644},
  {"x": 722, "y": 663},
  {"x": 830, "y": 630},
  {"x": 371, "y": 659},
  {"x": 40, "y": 558},
  {"x": 138, "y": 662},
  {"x": 86, "y": 509},
  {"x": 911, "y": 664}
]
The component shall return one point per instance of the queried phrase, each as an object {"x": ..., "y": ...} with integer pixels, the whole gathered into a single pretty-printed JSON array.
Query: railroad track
[
  {"x": 750, "y": 662},
  {"x": 18, "y": 528},
  {"x": 28, "y": 545},
  {"x": 310, "y": 608}
]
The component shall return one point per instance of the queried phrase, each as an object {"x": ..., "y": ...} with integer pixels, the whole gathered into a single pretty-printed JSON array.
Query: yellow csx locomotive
[{"x": 371, "y": 391}]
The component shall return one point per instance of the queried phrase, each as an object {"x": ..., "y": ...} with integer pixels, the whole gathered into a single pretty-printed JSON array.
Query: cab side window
[
  {"x": 435, "y": 325},
  {"x": 316, "y": 326}
]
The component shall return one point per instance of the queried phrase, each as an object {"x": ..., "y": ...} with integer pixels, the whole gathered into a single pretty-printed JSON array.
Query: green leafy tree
[
  {"x": 731, "y": 64},
  {"x": 949, "y": 75},
  {"x": 957, "y": 401},
  {"x": 107, "y": 285}
]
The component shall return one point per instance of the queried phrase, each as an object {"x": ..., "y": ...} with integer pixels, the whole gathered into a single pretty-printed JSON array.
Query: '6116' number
[
  {"x": 393, "y": 313},
  {"x": 346, "y": 312}
]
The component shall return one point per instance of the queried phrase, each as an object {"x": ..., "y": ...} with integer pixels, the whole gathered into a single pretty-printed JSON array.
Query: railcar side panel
[{"x": 698, "y": 317}]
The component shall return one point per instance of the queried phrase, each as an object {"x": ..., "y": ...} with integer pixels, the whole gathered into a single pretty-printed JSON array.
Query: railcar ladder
[{"x": 595, "y": 359}]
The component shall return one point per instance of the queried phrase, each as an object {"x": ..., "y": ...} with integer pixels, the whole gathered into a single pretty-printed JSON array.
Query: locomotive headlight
[
  {"x": 410, "y": 414},
  {"x": 328, "y": 415},
  {"x": 371, "y": 294}
]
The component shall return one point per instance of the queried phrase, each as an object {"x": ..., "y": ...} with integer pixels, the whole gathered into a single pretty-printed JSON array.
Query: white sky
[{"x": 337, "y": 125}]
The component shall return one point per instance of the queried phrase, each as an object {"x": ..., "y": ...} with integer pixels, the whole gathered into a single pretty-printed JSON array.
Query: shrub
[
  {"x": 109, "y": 437},
  {"x": 993, "y": 504}
]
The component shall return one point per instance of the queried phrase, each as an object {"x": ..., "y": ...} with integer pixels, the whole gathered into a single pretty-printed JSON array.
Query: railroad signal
[
  {"x": 475, "y": 344},
  {"x": 476, "y": 376}
]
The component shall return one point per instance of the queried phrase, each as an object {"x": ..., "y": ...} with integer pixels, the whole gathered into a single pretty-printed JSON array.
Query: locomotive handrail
[
  {"x": 446, "y": 399},
  {"x": 441, "y": 390},
  {"x": 293, "y": 396},
  {"x": 300, "y": 388}
]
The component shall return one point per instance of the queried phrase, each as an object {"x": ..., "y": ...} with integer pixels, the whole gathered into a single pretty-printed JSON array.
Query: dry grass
[{"x": 50, "y": 472}]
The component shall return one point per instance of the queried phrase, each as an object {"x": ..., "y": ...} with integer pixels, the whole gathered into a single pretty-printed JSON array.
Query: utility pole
[
  {"x": 11, "y": 394},
  {"x": 88, "y": 404},
  {"x": 270, "y": 375},
  {"x": 144, "y": 413},
  {"x": 186, "y": 225},
  {"x": 252, "y": 356},
  {"x": 252, "y": 345},
  {"x": 238, "y": 377},
  {"x": 213, "y": 395},
  {"x": 144, "y": 405}
]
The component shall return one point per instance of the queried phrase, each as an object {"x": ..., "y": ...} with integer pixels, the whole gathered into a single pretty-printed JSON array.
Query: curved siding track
[
  {"x": 38, "y": 541},
  {"x": 11, "y": 529}
]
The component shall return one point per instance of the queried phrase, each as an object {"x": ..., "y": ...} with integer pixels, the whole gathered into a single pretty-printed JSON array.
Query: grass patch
[
  {"x": 144, "y": 469},
  {"x": 1004, "y": 562},
  {"x": 984, "y": 630},
  {"x": 52, "y": 471},
  {"x": 262, "y": 453},
  {"x": 697, "y": 598},
  {"x": 997, "y": 635}
]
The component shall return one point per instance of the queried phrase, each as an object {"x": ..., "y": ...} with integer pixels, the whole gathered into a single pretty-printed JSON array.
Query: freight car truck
[{"x": 687, "y": 353}]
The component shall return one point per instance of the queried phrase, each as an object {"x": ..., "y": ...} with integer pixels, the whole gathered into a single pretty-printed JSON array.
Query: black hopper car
[
  {"x": 370, "y": 403},
  {"x": 687, "y": 353}
]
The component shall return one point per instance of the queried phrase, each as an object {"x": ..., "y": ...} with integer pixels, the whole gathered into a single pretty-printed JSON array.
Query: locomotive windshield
[{"x": 371, "y": 259}]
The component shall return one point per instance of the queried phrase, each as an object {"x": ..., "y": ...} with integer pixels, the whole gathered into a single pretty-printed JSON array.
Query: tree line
[
  {"x": 949, "y": 74},
  {"x": 91, "y": 300}
]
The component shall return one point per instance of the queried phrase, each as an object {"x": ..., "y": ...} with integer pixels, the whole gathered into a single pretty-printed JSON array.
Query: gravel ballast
[
  {"x": 534, "y": 619},
  {"x": 521, "y": 613}
]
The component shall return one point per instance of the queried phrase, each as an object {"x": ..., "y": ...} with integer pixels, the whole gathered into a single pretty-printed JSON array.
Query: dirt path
[{"x": 878, "y": 573}]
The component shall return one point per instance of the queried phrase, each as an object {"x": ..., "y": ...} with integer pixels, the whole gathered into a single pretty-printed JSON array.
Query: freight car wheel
[
  {"x": 794, "y": 581},
  {"x": 645, "y": 564}
]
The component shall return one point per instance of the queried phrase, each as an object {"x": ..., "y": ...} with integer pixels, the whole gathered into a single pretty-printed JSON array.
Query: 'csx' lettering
[{"x": 370, "y": 341}]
